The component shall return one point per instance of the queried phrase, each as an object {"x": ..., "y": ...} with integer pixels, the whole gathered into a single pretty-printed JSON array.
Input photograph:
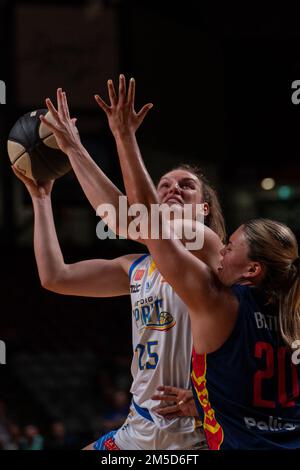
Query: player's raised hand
[
  {"x": 36, "y": 190},
  {"x": 63, "y": 126},
  {"x": 122, "y": 117},
  {"x": 174, "y": 402}
]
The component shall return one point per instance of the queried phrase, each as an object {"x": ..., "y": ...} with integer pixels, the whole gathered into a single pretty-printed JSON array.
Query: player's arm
[
  {"x": 98, "y": 188},
  {"x": 92, "y": 278},
  {"x": 192, "y": 279},
  {"x": 195, "y": 277}
]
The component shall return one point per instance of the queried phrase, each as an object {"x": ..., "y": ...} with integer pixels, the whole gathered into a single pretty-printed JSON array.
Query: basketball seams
[{"x": 33, "y": 147}]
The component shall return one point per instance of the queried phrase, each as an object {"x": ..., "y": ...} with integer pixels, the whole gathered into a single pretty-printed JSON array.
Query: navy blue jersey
[{"x": 247, "y": 392}]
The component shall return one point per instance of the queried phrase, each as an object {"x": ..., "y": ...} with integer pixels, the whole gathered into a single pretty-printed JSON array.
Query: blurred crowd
[
  {"x": 62, "y": 400},
  {"x": 55, "y": 435}
]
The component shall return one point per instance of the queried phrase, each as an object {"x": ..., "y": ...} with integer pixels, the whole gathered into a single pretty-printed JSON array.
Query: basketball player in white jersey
[{"x": 162, "y": 341}]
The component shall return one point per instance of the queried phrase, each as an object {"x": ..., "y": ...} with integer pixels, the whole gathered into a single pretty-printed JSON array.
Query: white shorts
[{"x": 138, "y": 433}]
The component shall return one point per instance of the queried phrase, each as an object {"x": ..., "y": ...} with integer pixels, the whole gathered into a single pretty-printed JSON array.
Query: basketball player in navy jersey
[{"x": 245, "y": 318}]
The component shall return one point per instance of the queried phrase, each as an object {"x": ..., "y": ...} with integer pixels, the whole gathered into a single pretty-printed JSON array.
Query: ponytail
[
  {"x": 289, "y": 307},
  {"x": 275, "y": 246}
]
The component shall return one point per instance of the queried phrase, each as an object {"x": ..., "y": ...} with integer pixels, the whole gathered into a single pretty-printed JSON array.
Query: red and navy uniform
[{"x": 247, "y": 392}]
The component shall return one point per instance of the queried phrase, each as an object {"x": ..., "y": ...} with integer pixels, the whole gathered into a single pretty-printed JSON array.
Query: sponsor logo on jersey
[
  {"x": 274, "y": 424},
  {"x": 148, "y": 286},
  {"x": 165, "y": 322},
  {"x": 145, "y": 300},
  {"x": 149, "y": 314},
  {"x": 135, "y": 288},
  {"x": 139, "y": 274}
]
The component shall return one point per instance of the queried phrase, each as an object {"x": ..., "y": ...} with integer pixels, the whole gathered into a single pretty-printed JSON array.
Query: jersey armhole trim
[{"x": 135, "y": 263}]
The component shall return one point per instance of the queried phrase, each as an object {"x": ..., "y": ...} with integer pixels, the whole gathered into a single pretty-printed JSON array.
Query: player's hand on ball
[
  {"x": 64, "y": 127},
  {"x": 175, "y": 402},
  {"x": 36, "y": 190},
  {"x": 122, "y": 117}
]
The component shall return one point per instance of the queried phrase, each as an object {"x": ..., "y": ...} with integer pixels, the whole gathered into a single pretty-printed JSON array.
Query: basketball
[{"x": 33, "y": 150}]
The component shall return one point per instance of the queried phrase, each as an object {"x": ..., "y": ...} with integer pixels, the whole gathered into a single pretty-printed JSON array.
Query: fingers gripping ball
[{"x": 33, "y": 150}]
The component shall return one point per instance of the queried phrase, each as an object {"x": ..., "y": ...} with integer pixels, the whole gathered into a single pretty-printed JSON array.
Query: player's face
[
  {"x": 235, "y": 265},
  {"x": 179, "y": 187}
]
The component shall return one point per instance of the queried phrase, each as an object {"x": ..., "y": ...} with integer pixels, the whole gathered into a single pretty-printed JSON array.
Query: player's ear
[
  {"x": 255, "y": 270},
  {"x": 206, "y": 209}
]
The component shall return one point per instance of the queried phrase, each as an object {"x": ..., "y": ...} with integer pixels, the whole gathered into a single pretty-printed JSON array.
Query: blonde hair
[
  {"x": 215, "y": 218},
  {"x": 275, "y": 246}
]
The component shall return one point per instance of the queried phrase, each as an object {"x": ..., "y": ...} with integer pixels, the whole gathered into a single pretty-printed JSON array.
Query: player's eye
[{"x": 187, "y": 185}]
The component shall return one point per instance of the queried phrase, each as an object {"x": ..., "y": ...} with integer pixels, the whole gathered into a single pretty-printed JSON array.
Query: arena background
[{"x": 220, "y": 81}]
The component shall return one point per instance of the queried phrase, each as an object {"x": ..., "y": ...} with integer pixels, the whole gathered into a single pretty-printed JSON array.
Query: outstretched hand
[
  {"x": 64, "y": 127},
  {"x": 176, "y": 402},
  {"x": 36, "y": 190},
  {"x": 121, "y": 115}
]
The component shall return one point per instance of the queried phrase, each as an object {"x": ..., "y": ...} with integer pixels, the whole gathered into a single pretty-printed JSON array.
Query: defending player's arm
[
  {"x": 168, "y": 254},
  {"x": 92, "y": 278},
  {"x": 192, "y": 279}
]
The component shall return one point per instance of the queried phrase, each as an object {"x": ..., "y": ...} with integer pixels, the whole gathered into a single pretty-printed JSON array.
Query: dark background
[{"x": 220, "y": 80}]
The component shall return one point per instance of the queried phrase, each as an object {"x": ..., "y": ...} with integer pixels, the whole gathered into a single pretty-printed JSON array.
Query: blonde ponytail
[
  {"x": 289, "y": 307},
  {"x": 275, "y": 246}
]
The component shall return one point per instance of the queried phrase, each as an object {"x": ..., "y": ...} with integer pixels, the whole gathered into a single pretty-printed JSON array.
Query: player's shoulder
[{"x": 128, "y": 262}]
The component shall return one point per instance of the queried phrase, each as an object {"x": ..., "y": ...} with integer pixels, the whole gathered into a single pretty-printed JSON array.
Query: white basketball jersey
[{"x": 162, "y": 340}]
